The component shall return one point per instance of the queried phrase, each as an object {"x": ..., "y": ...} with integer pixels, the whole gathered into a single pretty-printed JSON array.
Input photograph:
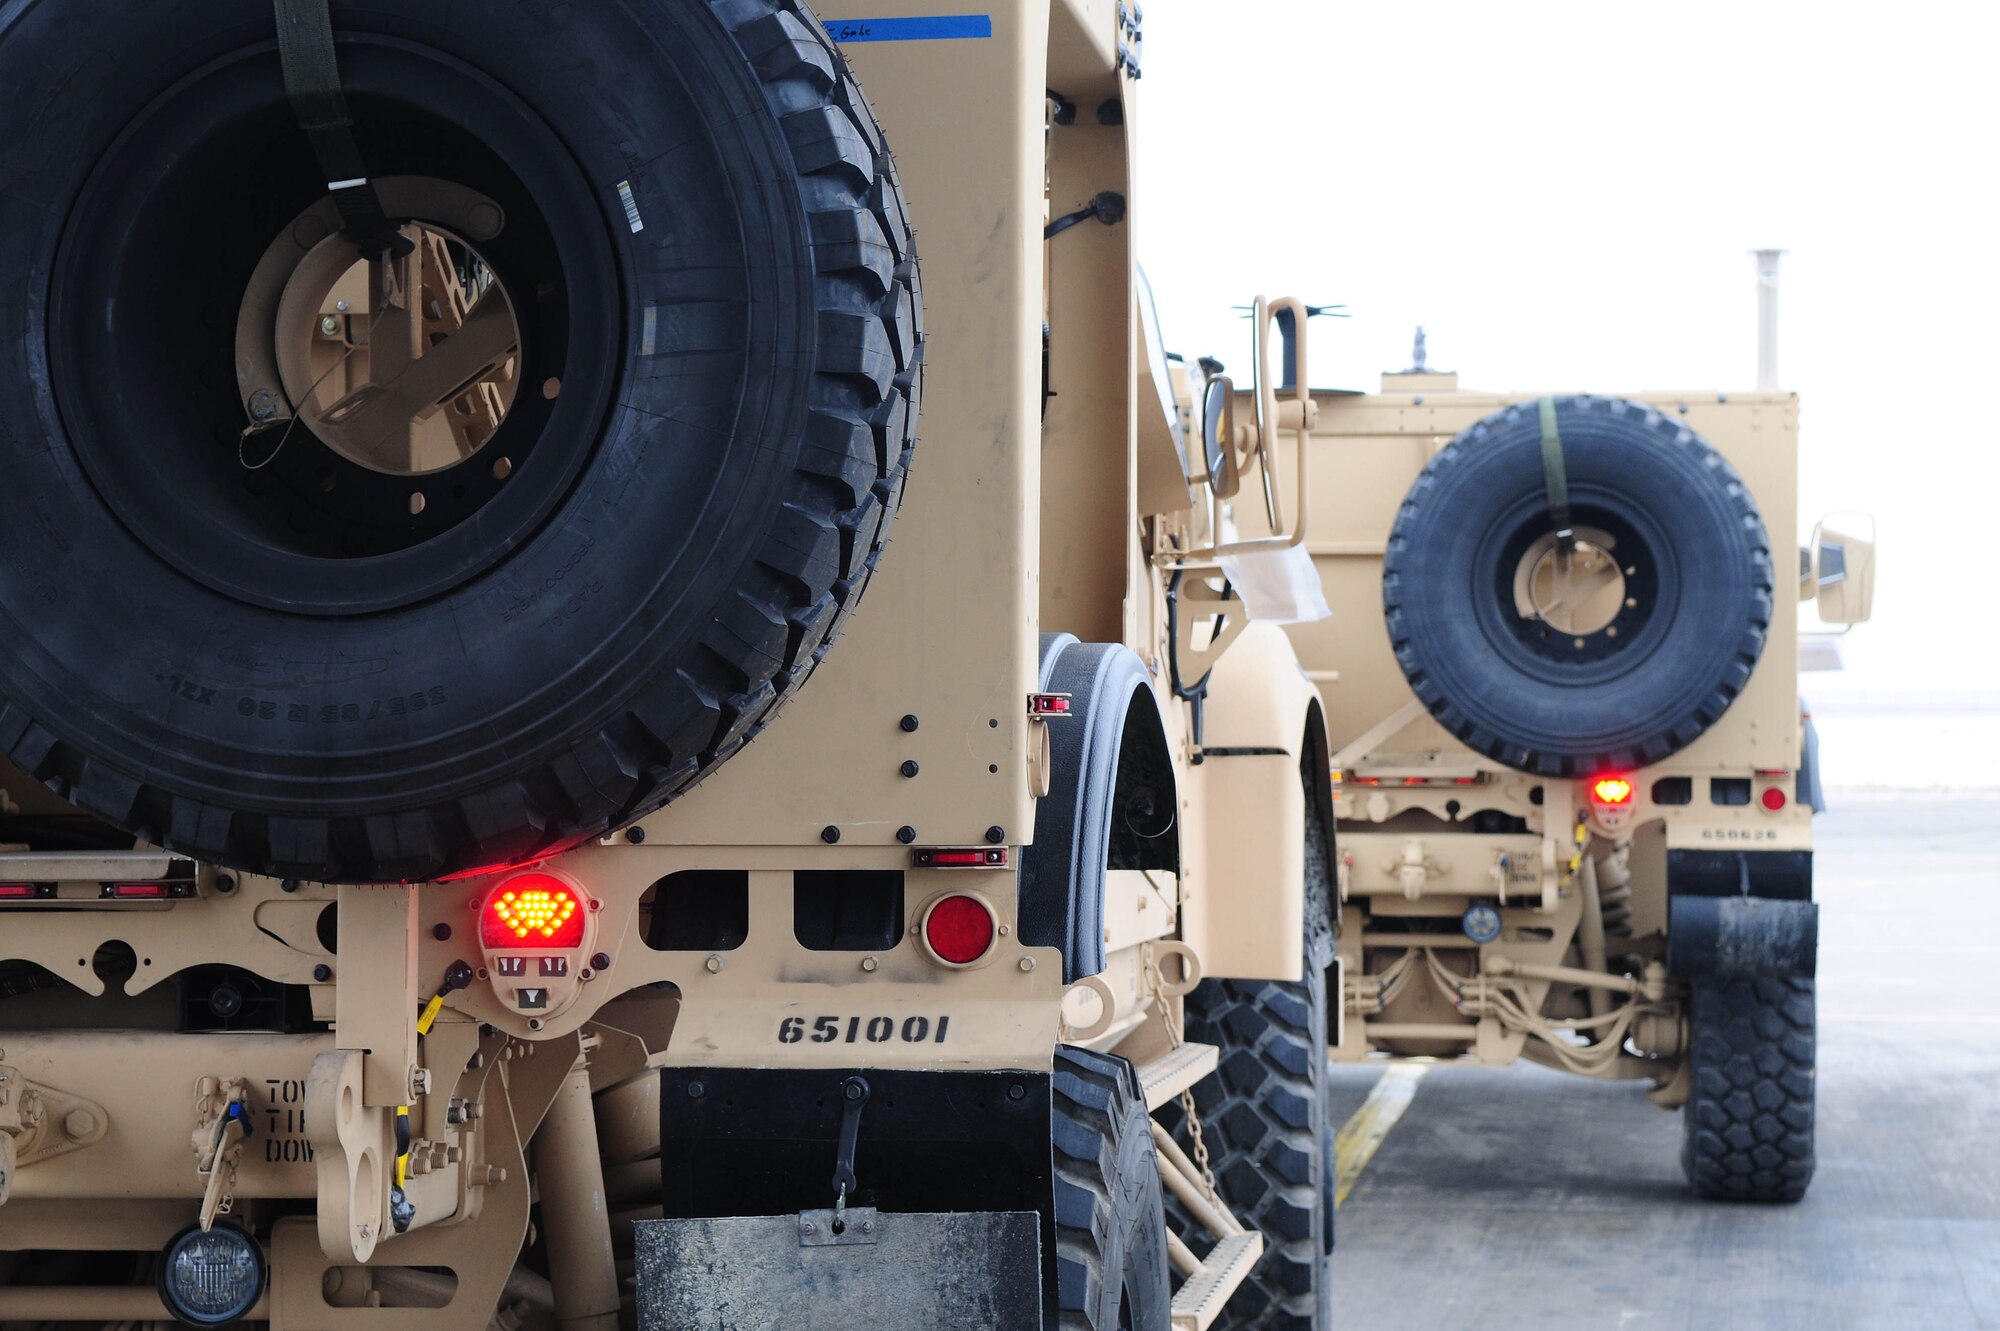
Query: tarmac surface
[{"x": 1520, "y": 1197}]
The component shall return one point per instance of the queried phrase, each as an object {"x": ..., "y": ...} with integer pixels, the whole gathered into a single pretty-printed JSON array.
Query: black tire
[
  {"x": 1264, "y": 1121},
  {"x": 1642, "y": 686},
  {"x": 1748, "y": 1123},
  {"x": 1111, "y": 1237},
  {"x": 716, "y": 282}
]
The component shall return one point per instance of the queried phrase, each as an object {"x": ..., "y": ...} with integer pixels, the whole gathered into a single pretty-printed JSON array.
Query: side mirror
[
  {"x": 1841, "y": 566},
  {"x": 1218, "y": 432}
]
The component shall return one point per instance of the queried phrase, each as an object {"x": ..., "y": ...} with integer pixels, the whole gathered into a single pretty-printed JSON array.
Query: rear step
[
  {"x": 1174, "y": 1071},
  {"x": 1206, "y": 1283},
  {"x": 1201, "y": 1297}
]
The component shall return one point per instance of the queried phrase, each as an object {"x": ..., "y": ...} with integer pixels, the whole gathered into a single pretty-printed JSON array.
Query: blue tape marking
[{"x": 943, "y": 27}]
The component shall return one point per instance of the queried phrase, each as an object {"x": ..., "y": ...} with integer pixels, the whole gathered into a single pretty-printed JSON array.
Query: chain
[{"x": 1173, "y": 1028}]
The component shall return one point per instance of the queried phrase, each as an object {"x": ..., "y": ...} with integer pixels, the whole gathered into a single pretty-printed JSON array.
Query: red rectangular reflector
[
  {"x": 18, "y": 891},
  {"x": 971, "y": 857},
  {"x": 138, "y": 891}
]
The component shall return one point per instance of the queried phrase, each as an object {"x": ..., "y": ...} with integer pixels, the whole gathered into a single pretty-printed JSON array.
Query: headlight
[{"x": 213, "y": 1278}]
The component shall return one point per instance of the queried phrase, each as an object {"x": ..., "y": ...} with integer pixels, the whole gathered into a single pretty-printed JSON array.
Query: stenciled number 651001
[{"x": 862, "y": 1030}]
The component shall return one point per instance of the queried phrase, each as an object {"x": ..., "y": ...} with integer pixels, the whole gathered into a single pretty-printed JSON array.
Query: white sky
[{"x": 1564, "y": 194}]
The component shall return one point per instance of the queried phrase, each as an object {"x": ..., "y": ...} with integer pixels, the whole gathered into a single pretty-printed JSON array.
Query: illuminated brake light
[
  {"x": 959, "y": 929},
  {"x": 1611, "y": 790},
  {"x": 532, "y": 910}
]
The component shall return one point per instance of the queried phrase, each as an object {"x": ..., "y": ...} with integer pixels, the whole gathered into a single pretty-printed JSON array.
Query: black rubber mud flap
[
  {"x": 913, "y": 1271},
  {"x": 1742, "y": 937},
  {"x": 1689, "y": 545},
  {"x": 295, "y": 666}
]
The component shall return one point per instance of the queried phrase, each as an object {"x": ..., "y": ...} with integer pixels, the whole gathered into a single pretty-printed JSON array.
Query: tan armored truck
[
  {"x": 1575, "y": 786},
  {"x": 450, "y": 874}
]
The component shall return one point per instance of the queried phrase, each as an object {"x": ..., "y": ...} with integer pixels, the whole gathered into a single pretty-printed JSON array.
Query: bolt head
[
  {"x": 322, "y": 972},
  {"x": 696, "y": 1090},
  {"x": 910, "y": 768},
  {"x": 330, "y": 324},
  {"x": 909, "y": 723},
  {"x": 1027, "y": 963},
  {"x": 79, "y": 1123},
  {"x": 600, "y": 961},
  {"x": 906, "y": 835},
  {"x": 996, "y": 834},
  {"x": 635, "y": 835},
  {"x": 829, "y": 834},
  {"x": 714, "y": 964},
  {"x": 808, "y": 1227}
]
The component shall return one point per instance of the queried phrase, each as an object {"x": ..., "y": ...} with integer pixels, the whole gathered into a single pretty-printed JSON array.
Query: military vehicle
[
  {"x": 450, "y": 875},
  {"x": 1575, "y": 784}
]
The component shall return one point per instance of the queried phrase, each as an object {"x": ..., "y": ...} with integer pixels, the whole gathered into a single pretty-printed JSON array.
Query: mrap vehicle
[
  {"x": 1575, "y": 782},
  {"x": 450, "y": 874}
]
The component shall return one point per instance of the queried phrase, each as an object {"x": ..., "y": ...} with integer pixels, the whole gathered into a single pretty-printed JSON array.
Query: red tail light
[
  {"x": 1611, "y": 790},
  {"x": 1774, "y": 799},
  {"x": 959, "y": 929},
  {"x": 532, "y": 910},
  {"x": 18, "y": 891}
]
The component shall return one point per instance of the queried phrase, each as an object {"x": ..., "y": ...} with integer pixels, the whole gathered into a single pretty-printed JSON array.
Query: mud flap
[
  {"x": 916, "y": 1271},
  {"x": 1742, "y": 937}
]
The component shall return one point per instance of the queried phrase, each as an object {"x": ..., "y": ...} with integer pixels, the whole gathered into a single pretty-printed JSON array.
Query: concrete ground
[{"x": 1519, "y": 1197}]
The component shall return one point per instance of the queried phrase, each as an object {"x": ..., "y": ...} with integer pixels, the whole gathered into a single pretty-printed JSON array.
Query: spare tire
[
  {"x": 1610, "y": 655},
  {"x": 232, "y": 628}
]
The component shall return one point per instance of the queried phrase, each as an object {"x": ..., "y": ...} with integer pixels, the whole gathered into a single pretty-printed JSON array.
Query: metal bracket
[{"x": 859, "y": 1226}]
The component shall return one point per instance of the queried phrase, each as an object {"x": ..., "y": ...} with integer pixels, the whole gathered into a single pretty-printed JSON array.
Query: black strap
[
  {"x": 1556, "y": 476},
  {"x": 312, "y": 81}
]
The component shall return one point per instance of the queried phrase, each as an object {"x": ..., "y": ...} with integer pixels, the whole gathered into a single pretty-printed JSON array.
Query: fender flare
[
  {"x": 1112, "y": 798},
  {"x": 1266, "y": 787}
]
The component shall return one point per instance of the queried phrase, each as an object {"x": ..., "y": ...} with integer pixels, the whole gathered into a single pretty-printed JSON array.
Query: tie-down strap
[
  {"x": 1555, "y": 476},
  {"x": 312, "y": 81}
]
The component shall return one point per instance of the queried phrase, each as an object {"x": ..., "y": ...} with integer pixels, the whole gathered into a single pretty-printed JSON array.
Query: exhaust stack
[{"x": 1767, "y": 319}]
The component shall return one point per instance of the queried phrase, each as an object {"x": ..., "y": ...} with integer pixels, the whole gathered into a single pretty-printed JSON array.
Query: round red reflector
[
  {"x": 532, "y": 910},
  {"x": 1774, "y": 799},
  {"x": 959, "y": 929}
]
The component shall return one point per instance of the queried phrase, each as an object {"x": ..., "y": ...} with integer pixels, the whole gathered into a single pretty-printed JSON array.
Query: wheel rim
[{"x": 406, "y": 365}]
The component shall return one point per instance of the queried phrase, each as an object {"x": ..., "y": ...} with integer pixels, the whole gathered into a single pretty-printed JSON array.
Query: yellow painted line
[{"x": 1361, "y": 1136}]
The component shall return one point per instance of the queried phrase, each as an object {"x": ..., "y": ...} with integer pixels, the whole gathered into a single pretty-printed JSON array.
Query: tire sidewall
[{"x": 151, "y": 672}]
